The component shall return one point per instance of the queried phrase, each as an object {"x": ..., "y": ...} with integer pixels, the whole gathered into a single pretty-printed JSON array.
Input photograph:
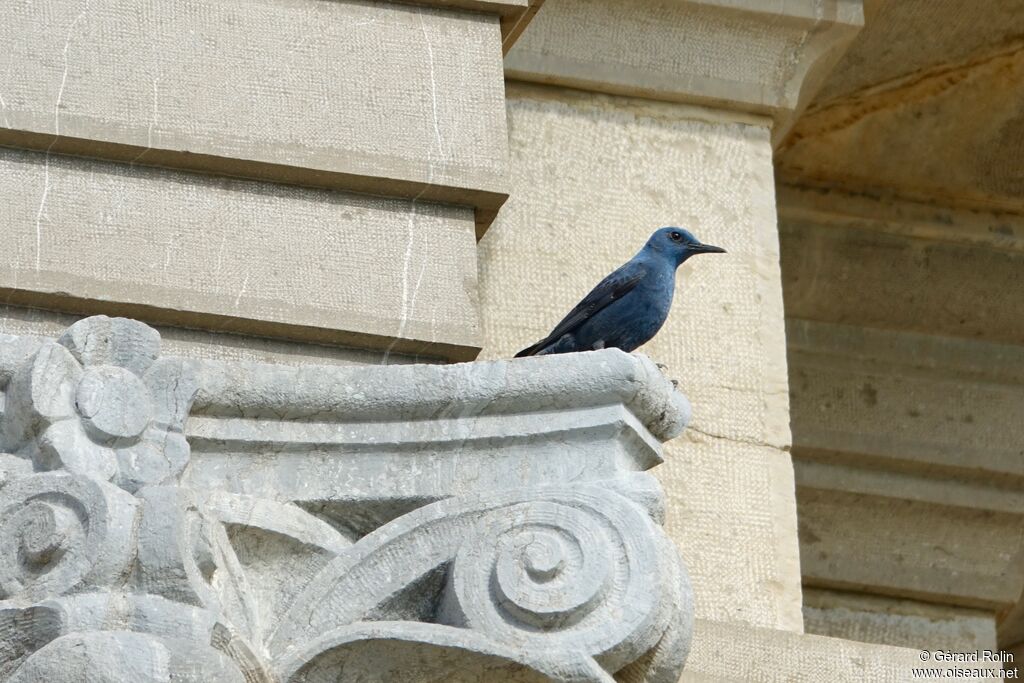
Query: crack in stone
[
  {"x": 747, "y": 441},
  {"x": 56, "y": 136},
  {"x": 409, "y": 302},
  {"x": 3, "y": 108}
]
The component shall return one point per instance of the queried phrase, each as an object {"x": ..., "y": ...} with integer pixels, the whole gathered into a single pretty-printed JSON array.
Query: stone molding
[
  {"x": 908, "y": 442},
  {"x": 390, "y": 99},
  {"x": 732, "y": 54},
  {"x": 172, "y": 519}
]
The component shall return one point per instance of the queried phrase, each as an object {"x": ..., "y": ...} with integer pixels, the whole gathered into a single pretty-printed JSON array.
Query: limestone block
[
  {"x": 380, "y": 273},
  {"x": 378, "y": 97},
  {"x": 908, "y": 548},
  {"x": 914, "y": 399},
  {"x": 738, "y": 653},
  {"x": 919, "y": 431},
  {"x": 737, "y": 54},
  {"x": 580, "y": 208},
  {"x": 899, "y": 622},
  {"x": 901, "y": 265},
  {"x": 557, "y": 569}
]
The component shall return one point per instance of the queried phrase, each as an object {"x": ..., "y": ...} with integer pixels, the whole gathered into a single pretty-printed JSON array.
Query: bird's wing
[{"x": 610, "y": 289}]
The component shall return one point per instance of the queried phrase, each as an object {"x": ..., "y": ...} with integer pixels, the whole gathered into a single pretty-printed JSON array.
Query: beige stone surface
[
  {"x": 738, "y": 653},
  {"x": 396, "y": 99},
  {"x": 842, "y": 268},
  {"x": 743, "y": 54},
  {"x": 239, "y": 256},
  {"x": 906, "y": 390},
  {"x": 208, "y": 345},
  {"x": 893, "y": 621},
  {"x": 913, "y": 399},
  {"x": 592, "y": 177},
  {"x": 908, "y": 548},
  {"x": 928, "y": 101}
]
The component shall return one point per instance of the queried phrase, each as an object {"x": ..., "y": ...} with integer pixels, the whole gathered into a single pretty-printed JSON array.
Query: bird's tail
[{"x": 530, "y": 350}]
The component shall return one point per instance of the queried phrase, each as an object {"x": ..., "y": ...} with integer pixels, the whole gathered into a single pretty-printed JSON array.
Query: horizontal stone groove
[
  {"x": 868, "y": 349},
  {"x": 485, "y": 203},
  {"x": 905, "y": 479},
  {"x": 939, "y": 221},
  {"x": 67, "y": 303},
  {"x": 900, "y": 592},
  {"x": 382, "y": 98}
]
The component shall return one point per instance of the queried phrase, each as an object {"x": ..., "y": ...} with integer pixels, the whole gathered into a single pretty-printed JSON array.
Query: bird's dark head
[{"x": 679, "y": 244}]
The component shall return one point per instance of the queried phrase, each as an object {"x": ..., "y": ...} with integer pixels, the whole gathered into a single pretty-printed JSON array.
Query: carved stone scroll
[{"x": 168, "y": 519}]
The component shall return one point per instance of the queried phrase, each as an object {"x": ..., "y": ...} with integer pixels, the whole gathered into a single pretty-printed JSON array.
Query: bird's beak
[{"x": 707, "y": 249}]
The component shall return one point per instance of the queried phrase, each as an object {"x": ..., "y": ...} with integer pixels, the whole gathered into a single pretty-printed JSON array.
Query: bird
[{"x": 627, "y": 308}]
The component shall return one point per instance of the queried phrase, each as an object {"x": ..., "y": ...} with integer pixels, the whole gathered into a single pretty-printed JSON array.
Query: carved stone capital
[{"x": 168, "y": 519}]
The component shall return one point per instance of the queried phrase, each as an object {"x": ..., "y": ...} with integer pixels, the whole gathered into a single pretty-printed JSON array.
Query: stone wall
[{"x": 404, "y": 102}]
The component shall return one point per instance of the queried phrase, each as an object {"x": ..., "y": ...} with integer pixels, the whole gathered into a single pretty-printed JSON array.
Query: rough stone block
[
  {"x": 907, "y": 548},
  {"x": 913, "y": 437},
  {"x": 902, "y": 266},
  {"x": 225, "y": 255},
  {"x": 394, "y": 99},
  {"x": 738, "y": 653},
  {"x": 898, "y": 622}
]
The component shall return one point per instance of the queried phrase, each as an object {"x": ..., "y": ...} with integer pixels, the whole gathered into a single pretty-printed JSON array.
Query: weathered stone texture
[
  {"x": 909, "y": 398},
  {"x": 899, "y": 622},
  {"x": 738, "y": 653},
  {"x": 222, "y": 254},
  {"x": 740, "y": 54},
  {"x": 841, "y": 271},
  {"x": 927, "y": 102},
  {"x": 592, "y": 177},
  {"x": 941, "y": 553},
  {"x": 397, "y": 99},
  {"x": 906, "y": 392}
]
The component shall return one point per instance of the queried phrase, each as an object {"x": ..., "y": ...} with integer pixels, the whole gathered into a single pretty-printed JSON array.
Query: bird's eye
[{"x": 676, "y": 236}]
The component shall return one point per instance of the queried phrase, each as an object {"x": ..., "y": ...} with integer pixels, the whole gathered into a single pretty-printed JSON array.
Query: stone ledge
[
  {"x": 736, "y": 653},
  {"x": 910, "y": 443},
  {"x": 123, "y": 550},
  {"x": 734, "y": 54},
  {"x": 188, "y": 88},
  {"x": 88, "y": 236}
]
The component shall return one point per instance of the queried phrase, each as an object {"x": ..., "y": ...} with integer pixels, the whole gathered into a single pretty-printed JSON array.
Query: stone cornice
[{"x": 732, "y": 54}]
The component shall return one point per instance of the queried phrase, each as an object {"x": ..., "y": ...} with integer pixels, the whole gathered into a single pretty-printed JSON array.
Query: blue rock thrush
[{"x": 629, "y": 306}]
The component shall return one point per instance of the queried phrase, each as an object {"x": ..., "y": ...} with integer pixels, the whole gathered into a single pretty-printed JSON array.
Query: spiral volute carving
[
  {"x": 60, "y": 533},
  {"x": 549, "y": 573}
]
